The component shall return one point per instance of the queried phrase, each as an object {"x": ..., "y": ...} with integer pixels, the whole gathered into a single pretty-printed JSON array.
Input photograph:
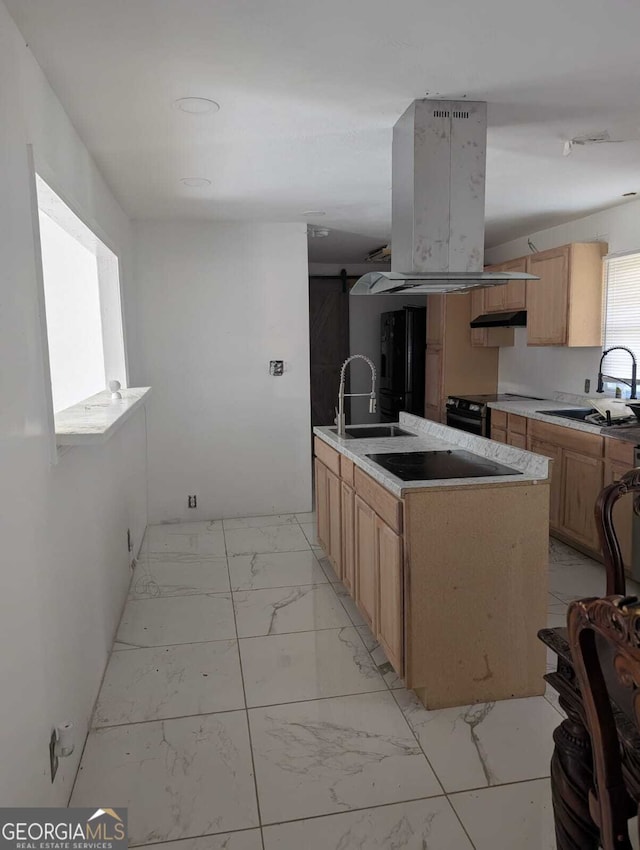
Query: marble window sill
[{"x": 96, "y": 419}]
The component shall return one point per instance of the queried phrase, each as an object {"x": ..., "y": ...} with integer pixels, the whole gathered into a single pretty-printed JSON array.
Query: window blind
[{"x": 622, "y": 313}]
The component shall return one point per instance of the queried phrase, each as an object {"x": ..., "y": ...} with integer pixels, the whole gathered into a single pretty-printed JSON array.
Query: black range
[{"x": 451, "y": 463}]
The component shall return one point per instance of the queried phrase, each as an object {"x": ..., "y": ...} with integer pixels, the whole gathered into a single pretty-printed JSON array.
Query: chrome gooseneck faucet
[
  {"x": 340, "y": 418},
  {"x": 634, "y": 369}
]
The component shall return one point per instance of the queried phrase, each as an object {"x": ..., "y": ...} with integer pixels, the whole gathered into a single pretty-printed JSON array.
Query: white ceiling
[{"x": 310, "y": 91}]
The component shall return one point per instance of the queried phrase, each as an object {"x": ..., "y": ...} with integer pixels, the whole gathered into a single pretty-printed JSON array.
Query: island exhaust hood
[{"x": 437, "y": 217}]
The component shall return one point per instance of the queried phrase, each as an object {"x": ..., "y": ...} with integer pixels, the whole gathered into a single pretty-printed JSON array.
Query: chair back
[
  {"x": 609, "y": 544},
  {"x": 604, "y": 636}
]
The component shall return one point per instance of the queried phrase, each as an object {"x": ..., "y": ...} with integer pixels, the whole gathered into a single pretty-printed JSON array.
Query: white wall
[
  {"x": 540, "y": 371},
  {"x": 64, "y": 562},
  {"x": 217, "y": 302}
]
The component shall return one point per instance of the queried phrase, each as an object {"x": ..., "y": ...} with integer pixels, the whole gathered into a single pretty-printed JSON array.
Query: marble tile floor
[{"x": 246, "y": 706}]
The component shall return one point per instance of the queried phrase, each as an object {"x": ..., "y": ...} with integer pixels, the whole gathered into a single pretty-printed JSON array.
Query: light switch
[{"x": 276, "y": 367}]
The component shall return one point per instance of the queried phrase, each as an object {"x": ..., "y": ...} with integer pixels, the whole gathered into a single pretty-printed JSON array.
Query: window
[
  {"x": 82, "y": 304},
  {"x": 622, "y": 313}
]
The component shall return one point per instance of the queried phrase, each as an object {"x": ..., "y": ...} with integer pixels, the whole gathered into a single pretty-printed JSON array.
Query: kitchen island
[{"x": 450, "y": 574}]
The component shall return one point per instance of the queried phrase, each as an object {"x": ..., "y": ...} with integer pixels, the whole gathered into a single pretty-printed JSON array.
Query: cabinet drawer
[
  {"x": 568, "y": 438},
  {"x": 383, "y": 503},
  {"x": 346, "y": 470},
  {"x": 619, "y": 451},
  {"x": 517, "y": 424},
  {"x": 330, "y": 457},
  {"x": 519, "y": 441},
  {"x": 499, "y": 419},
  {"x": 498, "y": 435}
]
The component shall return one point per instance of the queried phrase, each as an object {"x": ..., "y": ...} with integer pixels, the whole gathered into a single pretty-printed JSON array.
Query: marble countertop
[
  {"x": 95, "y": 420},
  {"x": 432, "y": 436},
  {"x": 531, "y": 407}
]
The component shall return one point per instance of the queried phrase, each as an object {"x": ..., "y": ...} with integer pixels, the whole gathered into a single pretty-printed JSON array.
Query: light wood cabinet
[
  {"x": 554, "y": 452},
  {"x": 328, "y": 514},
  {"x": 498, "y": 435},
  {"x": 365, "y": 561},
  {"x": 582, "y": 480},
  {"x": 453, "y": 365},
  {"x": 517, "y": 440},
  {"x": 335, "y": 526},
  {"x": 564, "y": 307},
  {"x": 389, "y": 618},
  {"x": 403, "y": 558},
  {"x": 322, "y": 504},
  {"x": 348, "y": 540},
  {"x": 433, "y": 396},
  {"x": 487, "y": 337}
]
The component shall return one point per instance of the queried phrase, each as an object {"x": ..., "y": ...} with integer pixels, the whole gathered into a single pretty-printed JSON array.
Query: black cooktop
[{"x": 427, "y": 466}]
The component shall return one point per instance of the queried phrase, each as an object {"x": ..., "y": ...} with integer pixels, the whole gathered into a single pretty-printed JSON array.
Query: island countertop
[{"x": 432, "y": 436}]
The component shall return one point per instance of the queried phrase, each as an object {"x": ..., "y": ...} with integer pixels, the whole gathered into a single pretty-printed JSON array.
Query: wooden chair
[
  {"x": 604, "y": 636},
  {"x": 605, "y": 503}
]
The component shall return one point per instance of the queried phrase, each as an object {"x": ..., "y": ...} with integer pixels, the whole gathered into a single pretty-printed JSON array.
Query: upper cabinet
[
  {"x": 508, "y": 296},
  {"x": 564, "y": 307}
]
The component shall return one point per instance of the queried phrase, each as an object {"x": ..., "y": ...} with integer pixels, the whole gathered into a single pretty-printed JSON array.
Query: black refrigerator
[{"x": 402, "y": 353}]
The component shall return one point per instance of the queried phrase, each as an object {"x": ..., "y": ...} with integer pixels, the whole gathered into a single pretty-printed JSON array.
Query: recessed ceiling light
[
  {"x": 314, "y": 212},
  {"x": 195, "y": 182},
  {"x": 196, "y": 105}
]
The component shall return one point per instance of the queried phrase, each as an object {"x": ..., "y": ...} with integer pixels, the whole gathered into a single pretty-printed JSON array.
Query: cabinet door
[
  {"x": 517, "y": 440},
  {"x": 498, "y": 435},
  {"x": 555, "y": 500},
  {"x": 348, "y": 554},
  {"x": 365, "y": 559},
  {"x": 390, "y": 617},
  {"x": 335, "y": 532},
  {"x": 435, "y": 319},
  {"x": 322, "y": 505},
  {"x": 515, "y": 292},
  {"x": 582, "y": 481},
  {"x": 433, "y": 378},
  {"x": 623, "y": 511},
  {"x": 478, "y": 335},
  {"x": 494, "y": 297},
  {"x": 548, "y": 298}
]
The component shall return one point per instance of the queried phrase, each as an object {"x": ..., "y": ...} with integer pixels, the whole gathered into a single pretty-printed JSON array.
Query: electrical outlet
[
  {"x": 587, "y": 385},
  {"x": 193, "y": 501},
  {"x": 276, "y": 367},
  {"x": 53, "y": 758}
]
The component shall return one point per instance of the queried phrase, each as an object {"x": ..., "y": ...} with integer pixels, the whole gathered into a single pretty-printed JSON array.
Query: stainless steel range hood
[{"x": 437, "y": 218}]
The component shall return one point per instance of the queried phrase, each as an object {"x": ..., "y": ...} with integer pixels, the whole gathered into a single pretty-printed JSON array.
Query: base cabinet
[
  {"x": 390, "y": 613},
  {"x": 540, "y": 447},
  {"x": 328, "y": 513},
  {"x": 582, "y": 478},
  {"x": 348, "y": 538},
  {"x": 322, "y": 504},
  {"x": 365, "y": 561}
]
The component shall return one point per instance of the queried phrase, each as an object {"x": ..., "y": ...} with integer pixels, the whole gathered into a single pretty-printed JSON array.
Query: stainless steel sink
[
  {"x": 579, "y": 413},
  {"x": 361, "y": 432}
]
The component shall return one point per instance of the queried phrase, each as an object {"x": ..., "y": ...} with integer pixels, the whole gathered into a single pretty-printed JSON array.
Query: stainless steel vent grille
[
  {"x": 458, "y": 114},
  {"x": 441, "y": 113}
]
